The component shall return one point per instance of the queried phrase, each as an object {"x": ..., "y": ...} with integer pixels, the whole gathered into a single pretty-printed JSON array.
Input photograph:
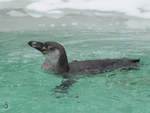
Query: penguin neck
[
  {"x": 57, "y": 64},
  {"x": 62, "y": 64}
]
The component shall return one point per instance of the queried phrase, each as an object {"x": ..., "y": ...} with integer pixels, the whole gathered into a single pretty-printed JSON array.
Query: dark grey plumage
[{"x": 89, "y": 67}]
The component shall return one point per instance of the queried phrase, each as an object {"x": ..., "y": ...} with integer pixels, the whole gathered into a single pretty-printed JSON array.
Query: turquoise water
[{"x": 25, "y": 88}]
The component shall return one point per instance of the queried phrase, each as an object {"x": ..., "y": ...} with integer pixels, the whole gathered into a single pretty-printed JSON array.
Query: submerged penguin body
[
  {"x": 57, "y": 62},
  {"x": 91, "y": 67}
]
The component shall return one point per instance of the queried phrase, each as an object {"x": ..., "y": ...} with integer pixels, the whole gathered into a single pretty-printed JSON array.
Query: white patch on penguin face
[{"x": 52, "y": 55}]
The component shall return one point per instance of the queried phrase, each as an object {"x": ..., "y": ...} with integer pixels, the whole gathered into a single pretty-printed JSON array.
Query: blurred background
[{"x": 92, "y": 14}]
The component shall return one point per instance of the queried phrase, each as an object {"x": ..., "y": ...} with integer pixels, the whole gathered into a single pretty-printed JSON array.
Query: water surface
[{"x": 25, "y": 88}]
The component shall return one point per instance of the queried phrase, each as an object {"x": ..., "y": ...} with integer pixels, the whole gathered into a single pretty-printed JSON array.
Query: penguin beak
[{"x": 38, "y": 45}]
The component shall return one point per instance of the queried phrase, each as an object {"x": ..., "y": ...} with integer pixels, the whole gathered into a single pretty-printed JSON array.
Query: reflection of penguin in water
[{"x": 57, "y": 62}]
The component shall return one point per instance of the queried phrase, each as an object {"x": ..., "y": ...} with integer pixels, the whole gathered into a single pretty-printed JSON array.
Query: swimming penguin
[{"x": 57, "y": 62}]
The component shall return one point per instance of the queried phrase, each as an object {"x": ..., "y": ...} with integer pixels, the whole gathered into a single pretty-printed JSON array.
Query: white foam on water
[
  {"x": 52, "y": 25},
  {"x": 39, "y": 8},
  {"x": 16, "y": 13},
  {"x": 35, "y": 14},
  {"x": 63, "y": 25},
  {"x": 138, "y": 8},
  {"x": 74, "y": 23},
  {"x": 5, "y": 0}
]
